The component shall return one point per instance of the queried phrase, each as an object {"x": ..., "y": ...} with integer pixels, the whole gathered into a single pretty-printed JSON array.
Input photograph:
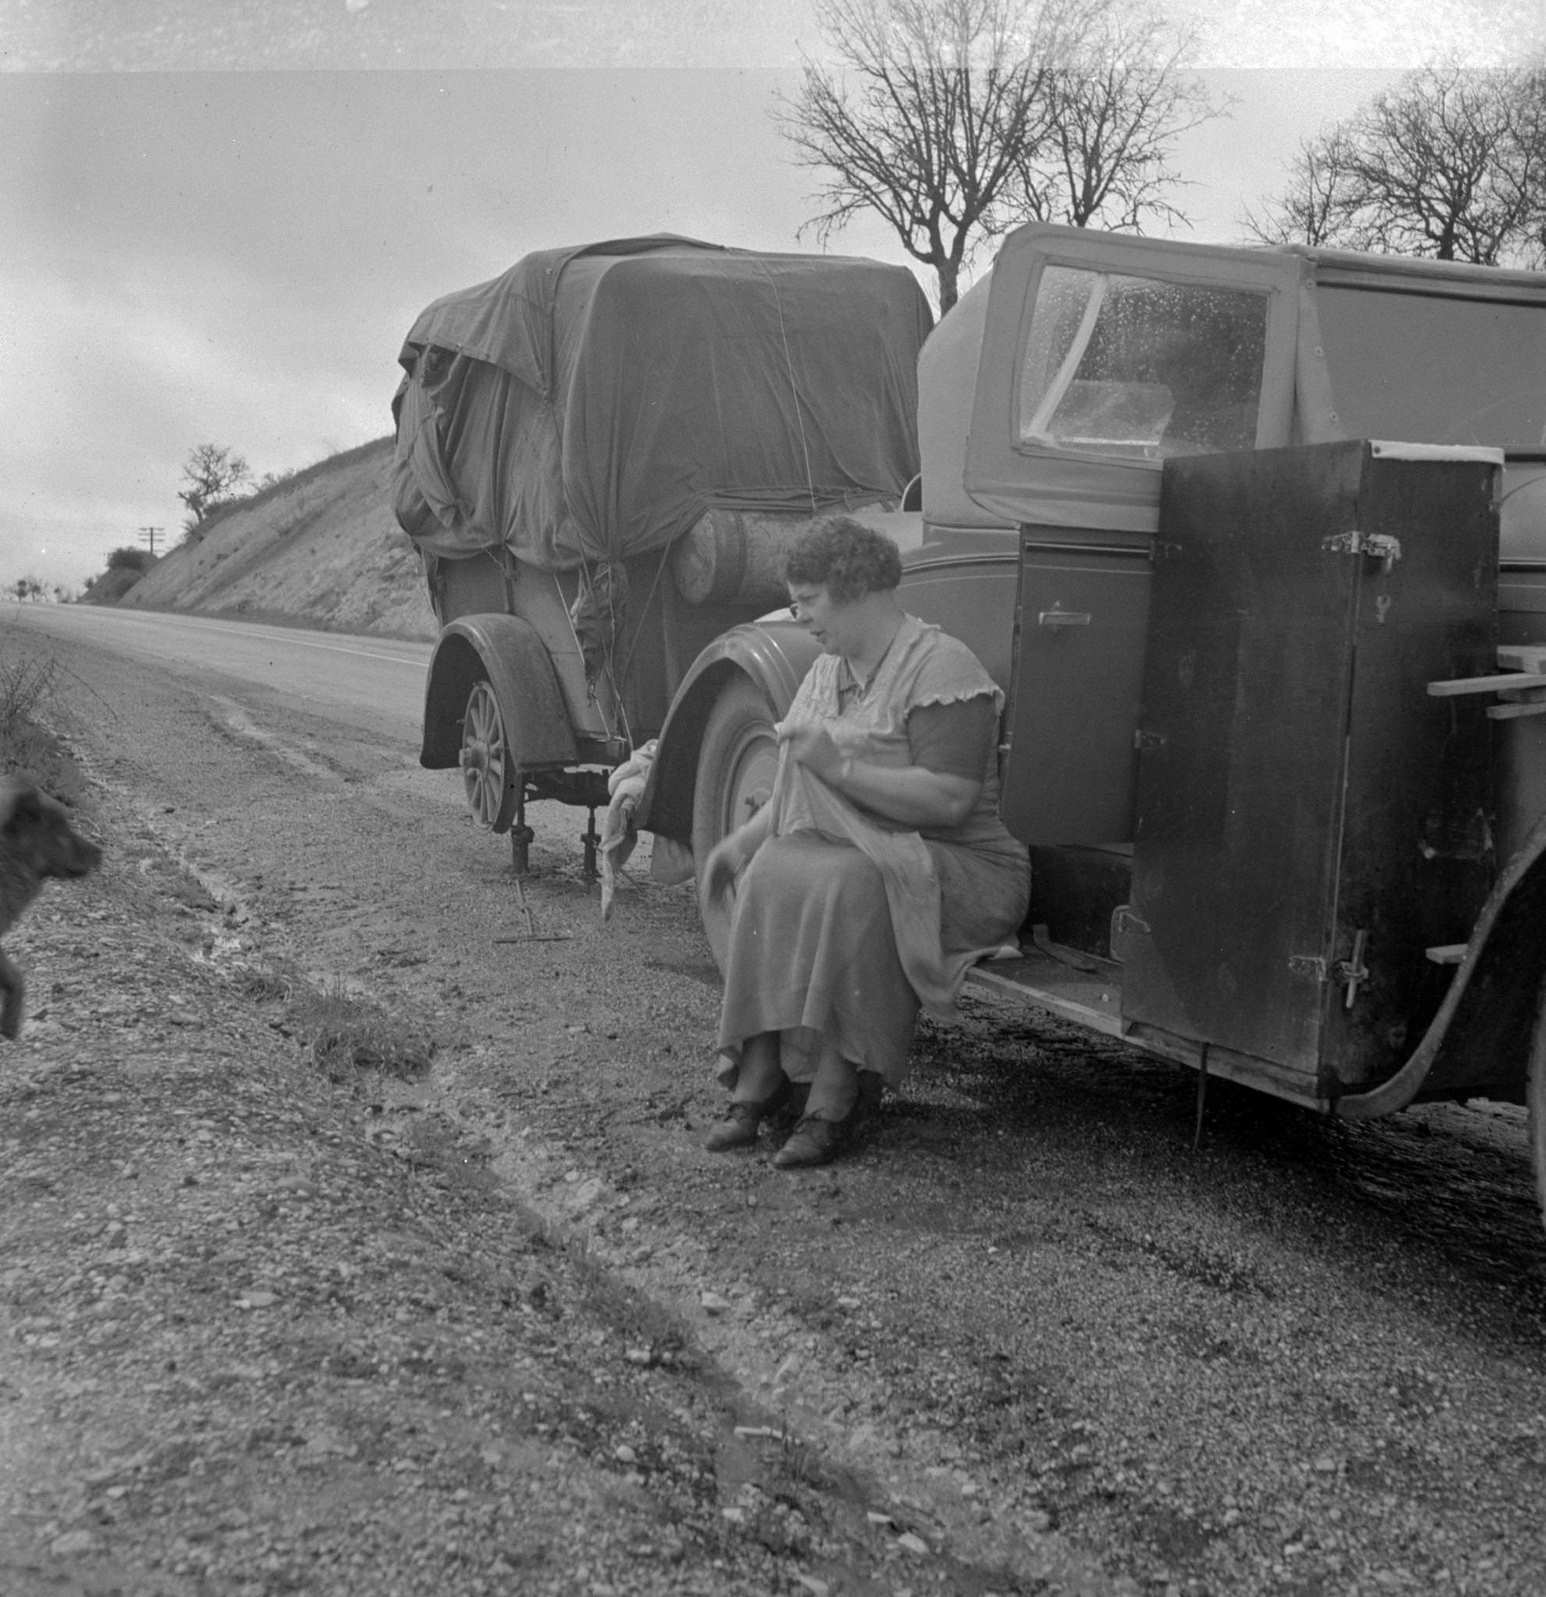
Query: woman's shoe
[
  {"x": 738, "y": 1129},
  {"x": 866, "y": 1110},
  {"x": 812, "y": 1142},
  {"x": 786, "y": 1108}
]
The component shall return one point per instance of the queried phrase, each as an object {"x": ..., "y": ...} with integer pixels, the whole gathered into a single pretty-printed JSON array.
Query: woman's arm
[
  {"x": 750, "y": 835},
  {"x": 912, "y": 795},
  {"x": 732, "y": 853}
]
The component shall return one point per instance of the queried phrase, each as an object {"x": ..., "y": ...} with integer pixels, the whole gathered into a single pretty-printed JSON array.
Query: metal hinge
[
  {"x": 1127, "y": 926},
  {"x": 1380, "y": 546}
]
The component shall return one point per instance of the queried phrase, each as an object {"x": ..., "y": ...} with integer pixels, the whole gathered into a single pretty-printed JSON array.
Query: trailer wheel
[
  {"x": 488, "y": 776},
  {"x": 736, "y": 763}
]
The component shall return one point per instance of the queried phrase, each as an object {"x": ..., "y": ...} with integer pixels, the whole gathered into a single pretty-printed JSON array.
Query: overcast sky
[{"x": 233, "y": 256}]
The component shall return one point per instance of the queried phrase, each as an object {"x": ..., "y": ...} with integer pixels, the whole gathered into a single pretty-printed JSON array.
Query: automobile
[{"x": 1254, "y": 540}]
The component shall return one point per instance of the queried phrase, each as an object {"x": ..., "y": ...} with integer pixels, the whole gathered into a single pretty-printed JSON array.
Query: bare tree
[
  {"x": 213, "y": 474},
  {"x": 955, "y": 120},
  {"x": 1316, "y": 206},
  {"x": 1450, "y": 164},
  {"x": 1118, "y": 106}
]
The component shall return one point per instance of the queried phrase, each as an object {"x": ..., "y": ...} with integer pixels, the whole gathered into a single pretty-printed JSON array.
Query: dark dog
[{"x": 36, "y": 842}]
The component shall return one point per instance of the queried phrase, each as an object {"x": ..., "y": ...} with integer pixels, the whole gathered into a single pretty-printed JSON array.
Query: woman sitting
[{"x": 879, "y": 870}]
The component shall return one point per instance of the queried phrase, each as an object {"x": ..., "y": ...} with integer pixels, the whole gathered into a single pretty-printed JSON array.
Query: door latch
[
  {"x": 1352, "y": 972},
  {"x": 1381, "y": 546}
]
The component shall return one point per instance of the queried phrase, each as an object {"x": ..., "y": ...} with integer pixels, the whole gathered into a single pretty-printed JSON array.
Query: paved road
[{"x": 370, "y": 683}]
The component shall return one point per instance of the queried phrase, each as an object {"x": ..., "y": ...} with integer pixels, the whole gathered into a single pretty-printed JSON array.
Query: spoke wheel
[
  {"x": 737, "y": 761},
  {"x": 488, "y": 774}
]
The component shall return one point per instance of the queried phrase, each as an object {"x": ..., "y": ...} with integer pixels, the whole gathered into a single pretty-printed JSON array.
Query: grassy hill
[{"x": 321, "y": 548}]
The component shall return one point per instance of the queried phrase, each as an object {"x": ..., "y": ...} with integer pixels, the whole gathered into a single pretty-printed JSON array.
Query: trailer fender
[
  {"x": 1478, "y": 1043},
  {"x": 774, "y": 656},
  {"x": 509, "y": 653}
]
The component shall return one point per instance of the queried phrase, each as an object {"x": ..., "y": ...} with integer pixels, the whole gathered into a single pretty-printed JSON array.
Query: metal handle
[{"x": 1063, "y": 618}]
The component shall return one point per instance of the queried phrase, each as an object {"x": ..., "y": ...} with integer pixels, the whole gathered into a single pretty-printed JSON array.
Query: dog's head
[{"x": 36, "y": 829}]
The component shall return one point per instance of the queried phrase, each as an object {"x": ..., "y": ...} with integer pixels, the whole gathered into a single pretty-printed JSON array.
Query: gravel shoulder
[
  {"x": 1027, "y": 1340},
  {"x": 267, "y": 1332}
]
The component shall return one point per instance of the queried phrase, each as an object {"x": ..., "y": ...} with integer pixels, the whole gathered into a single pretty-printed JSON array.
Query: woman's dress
[{"x": 844, "y": 922}]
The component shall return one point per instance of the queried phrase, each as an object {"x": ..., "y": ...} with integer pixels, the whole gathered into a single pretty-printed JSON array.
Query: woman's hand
[
  {"x": 910, "y": 794},
  {"x": 812, "y": 747},
  {"x": 726, "y": 861},
  {"x": 733, "y": 853}
]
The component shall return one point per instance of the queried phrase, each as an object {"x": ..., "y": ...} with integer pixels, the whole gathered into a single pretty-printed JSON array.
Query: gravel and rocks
[
  {"x": 263, "y": 1332},
  {"x": 1026, "y": 1339}
]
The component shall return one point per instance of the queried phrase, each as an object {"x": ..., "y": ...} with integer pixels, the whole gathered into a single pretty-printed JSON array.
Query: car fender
[
  {"x": 1478, "y": 1043},
  {"x": 774, "y": 654},
  {"x": 509, "y": 652}
]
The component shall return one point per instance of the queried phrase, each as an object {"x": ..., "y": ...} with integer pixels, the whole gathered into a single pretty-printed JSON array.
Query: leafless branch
[
  {"x": 954, "y": 120},
  {"x": 1451, "y": 163}
]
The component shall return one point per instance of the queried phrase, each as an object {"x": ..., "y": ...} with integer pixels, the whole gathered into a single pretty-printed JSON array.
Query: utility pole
[{"x": 148, "y": 534}]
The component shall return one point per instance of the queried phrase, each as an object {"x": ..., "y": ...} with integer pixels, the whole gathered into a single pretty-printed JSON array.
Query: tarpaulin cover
[{"x": 593, "y": 403}]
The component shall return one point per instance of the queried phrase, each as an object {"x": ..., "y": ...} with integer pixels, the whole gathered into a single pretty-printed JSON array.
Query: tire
[
  {"x": 1536, "y": 1095},
  {"x": 736, "y": 763},
  {"x": 489, "y": 777}
]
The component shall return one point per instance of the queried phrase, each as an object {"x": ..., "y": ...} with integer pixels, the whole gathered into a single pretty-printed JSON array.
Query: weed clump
[
  {"x": 25, "y": 685},
  {"x": 28, "y": 747},
  {"x": 349, "y": 1036}
]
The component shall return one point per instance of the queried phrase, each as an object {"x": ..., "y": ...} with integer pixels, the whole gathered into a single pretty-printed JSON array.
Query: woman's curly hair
[{"x": 845, "y": 557}]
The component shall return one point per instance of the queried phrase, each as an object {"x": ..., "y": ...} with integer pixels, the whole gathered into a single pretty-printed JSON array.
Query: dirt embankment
[{"x": 322, "y": 548}]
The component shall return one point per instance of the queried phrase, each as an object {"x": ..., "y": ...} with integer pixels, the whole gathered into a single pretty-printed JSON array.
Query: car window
[
  {"x": 1436, "y": 370},
  {"x": 1129, "y": 365}
]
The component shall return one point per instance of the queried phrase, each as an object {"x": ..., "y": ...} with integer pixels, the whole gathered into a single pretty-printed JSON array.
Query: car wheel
[{"x": 737, "y": 760}]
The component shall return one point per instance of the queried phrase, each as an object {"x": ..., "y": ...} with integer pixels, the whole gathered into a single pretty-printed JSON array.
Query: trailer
[{"x": 600, "y": 456}]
